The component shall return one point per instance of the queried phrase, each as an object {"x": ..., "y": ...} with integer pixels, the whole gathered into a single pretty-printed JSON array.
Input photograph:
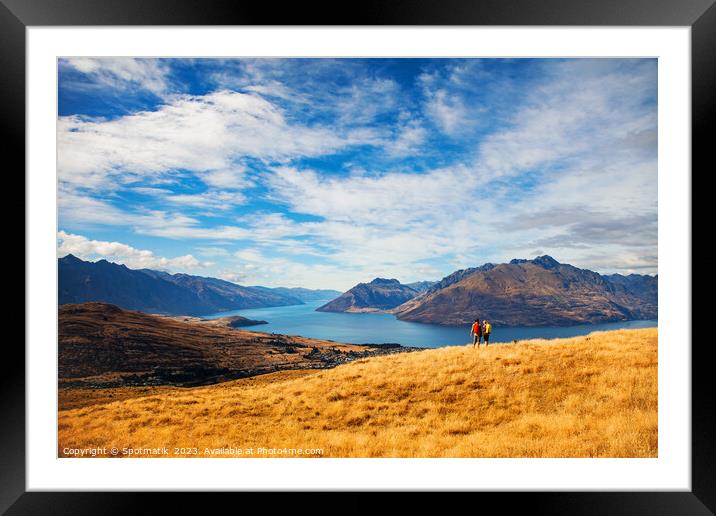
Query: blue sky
[{"x": 323, "y": 173}]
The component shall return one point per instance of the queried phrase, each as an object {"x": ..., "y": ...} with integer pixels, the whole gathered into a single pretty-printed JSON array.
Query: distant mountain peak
[
  {"x": 70, "y": 258},
  {"x": 107, "y": 262},
  {"x": 546, "y": 261},
  {"x": 384, "y": 281},
  {"x": 534, "y": 292},
  {"x": 379, "y": 294}
]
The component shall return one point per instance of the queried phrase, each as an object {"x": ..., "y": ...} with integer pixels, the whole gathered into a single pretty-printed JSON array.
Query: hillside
[
  {"x": 593, "y": 396},
  {"x": 80, "y": 281},
  {"x": 101, "y": 345},
  {"x": 159, "y": 292},
  {"x": 644, "y": 287},
  {"x": 218, "y": 295},
  {"x": 379, "y": 294},
  {"x": 539, "y": 292},
  {"x": 459, "y": 275}
]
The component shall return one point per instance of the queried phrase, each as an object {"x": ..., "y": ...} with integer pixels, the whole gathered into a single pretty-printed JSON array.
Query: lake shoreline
[{"x": 361, "y": 328}]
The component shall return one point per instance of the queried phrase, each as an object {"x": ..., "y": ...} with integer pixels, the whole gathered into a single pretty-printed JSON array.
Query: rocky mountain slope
[
  {"x": 421, "y": 286},
  {"x": 458, "y": 276},
  {"x": 221, "y": 295},
  {"x": 642, "y": 286},
  {"x": 539, "y": 292},
  {"x": 379, "y": 294},
  {"x": 156, "y": 291}
]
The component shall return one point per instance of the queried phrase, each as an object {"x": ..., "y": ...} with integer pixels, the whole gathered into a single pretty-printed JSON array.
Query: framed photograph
[{"x": 435, "y": 249}]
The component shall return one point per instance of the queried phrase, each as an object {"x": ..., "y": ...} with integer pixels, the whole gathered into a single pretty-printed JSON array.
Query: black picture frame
[{"x": 700, "y": 15}]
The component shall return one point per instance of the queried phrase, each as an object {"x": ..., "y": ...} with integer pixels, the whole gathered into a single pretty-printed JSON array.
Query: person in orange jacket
[{"x": 476, "y": 332}]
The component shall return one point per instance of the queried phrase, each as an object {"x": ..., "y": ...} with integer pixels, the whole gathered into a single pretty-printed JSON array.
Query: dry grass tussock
[{"x": 593, "y": 396}]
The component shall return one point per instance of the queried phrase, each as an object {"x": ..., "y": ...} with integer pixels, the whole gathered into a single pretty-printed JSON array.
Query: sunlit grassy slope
[{"x": 593, "y": 396}]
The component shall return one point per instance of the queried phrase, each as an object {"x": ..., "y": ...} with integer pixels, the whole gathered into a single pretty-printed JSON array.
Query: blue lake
[{"x": 378, "y": 328}]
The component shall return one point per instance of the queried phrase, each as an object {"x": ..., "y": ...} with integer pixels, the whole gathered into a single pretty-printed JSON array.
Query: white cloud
[
  {"x": 82, "y": 210},
  {"x": 181, "y": 232},
  {"x": 123, "y": 72},
  {"x": 330, "y": 87},
  {"x": 254, "y": 267},
  {"x": 448, "y": 111},
  {"x": 446, "y": 104},
  {"x": 571, "y": 172},
  {"x": 575, "y": 175},
  {"x": 282, "y": 272},
  {"x": 233, "y": 277},
  {"x": 400, "y": 198},
  {"x": 229, "y": 179},
  {"x": 409, "y": 137},
  {"x": 362, "y": 101},
  {"x": 133, "y": 258},
  {"x": 211, "y": 199},
  {"x": 215, "y": 252},
  {"x": 202, "y": 134},
  {"x": 250, "y": 255},
  {"x": 585, "y": 149}
]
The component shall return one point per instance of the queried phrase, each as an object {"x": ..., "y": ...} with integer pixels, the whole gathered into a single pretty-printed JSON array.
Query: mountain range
[
  {"x": 379, "y": 294},
  {"x": 159, "y": 292},
  {"x": 539, "y": 292}
]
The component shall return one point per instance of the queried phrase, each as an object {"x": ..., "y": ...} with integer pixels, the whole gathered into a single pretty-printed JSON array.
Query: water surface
[{"x": 378, "y": 328}]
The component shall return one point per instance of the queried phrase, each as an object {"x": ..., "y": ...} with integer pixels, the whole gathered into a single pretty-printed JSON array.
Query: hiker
[
  {"x": 476, "y": 332},
  {"x": 486, "y": 331}
]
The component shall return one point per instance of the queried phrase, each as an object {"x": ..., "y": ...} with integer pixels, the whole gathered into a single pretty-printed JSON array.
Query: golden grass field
[{"x": 593, "y": 396}]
